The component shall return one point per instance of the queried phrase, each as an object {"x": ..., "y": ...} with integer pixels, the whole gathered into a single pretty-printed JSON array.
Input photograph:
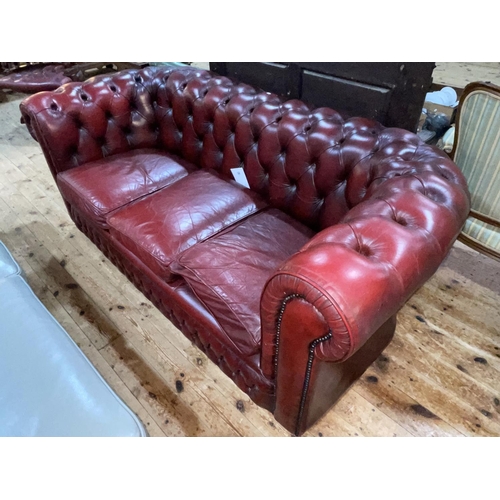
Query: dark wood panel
[
  {"x": 263, "y": 75},
  {"x": 350, "y": 98},
  {"x": 380, "y": 74},
  {"x": 393, "y": 93}
]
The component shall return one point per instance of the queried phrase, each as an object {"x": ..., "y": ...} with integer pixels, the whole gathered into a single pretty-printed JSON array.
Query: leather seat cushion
[
  {"x": 100, "y": 187},
  {"x": 229, "y": 271},
  {"x": 159, "y": 227}
]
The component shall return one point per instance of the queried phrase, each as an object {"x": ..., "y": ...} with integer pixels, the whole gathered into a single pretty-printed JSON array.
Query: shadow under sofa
[{"x": 291, "y": 286}]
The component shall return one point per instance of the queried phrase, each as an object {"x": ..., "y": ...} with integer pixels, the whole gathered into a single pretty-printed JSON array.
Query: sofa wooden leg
[{"x": 322, "y": 383}]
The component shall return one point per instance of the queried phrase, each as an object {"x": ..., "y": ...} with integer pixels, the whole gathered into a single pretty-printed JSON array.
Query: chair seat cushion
[
  {"x": 161, "y": 226},
  {"x": 100, "y": 187},
  {"x": 229, "y": 271}
]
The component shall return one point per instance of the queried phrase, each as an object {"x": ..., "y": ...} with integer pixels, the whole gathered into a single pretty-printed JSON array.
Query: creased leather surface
[
  {"x": 228, "y": 272},
  {"x": 100, "y": 187},
  {"x": 178, "y": 303},
  {"x": 161, "y": 226}
]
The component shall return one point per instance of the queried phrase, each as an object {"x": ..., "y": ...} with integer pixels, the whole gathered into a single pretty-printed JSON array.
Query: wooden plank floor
[
  {"x": 439, "y": 377},
  {"x": 460, "y": 74}
]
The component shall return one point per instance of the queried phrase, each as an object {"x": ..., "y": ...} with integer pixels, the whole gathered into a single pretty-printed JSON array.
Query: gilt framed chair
[{"x": 476, "y": 151}]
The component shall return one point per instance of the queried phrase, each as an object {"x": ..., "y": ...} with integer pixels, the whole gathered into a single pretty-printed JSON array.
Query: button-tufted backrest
[
  {"x": 312, "y": 164},
  {"x": 105, "y": 115}
]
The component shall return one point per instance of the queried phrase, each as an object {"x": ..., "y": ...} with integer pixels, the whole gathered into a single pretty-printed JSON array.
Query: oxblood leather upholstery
[
  {"x": 100, "y": 187},
  {"x": 243, "y": 254},
  {"x": 159, "y": 228},
  {"x": 385, "y": 206},
  {"x": 384, "y": 250}
]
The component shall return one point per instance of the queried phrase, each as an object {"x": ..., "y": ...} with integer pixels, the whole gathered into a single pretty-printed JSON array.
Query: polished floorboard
[{"x": 439, "y": 377}]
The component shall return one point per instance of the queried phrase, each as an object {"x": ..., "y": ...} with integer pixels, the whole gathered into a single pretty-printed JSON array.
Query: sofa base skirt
[{"x": 176, "y": 302}]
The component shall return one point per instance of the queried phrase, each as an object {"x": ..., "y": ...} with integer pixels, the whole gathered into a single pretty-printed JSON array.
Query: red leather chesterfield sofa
[{"x": 291, "y": 287}]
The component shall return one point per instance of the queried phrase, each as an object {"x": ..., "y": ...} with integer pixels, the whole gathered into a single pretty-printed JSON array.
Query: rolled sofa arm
[{"x": 327, "y": 300}]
